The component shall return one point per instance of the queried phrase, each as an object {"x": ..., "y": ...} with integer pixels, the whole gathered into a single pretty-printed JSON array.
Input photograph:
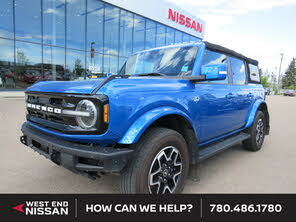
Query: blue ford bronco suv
[{"x": 167, "y": 109}]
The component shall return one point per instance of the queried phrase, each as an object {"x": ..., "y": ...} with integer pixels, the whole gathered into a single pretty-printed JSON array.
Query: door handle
[
  {"x": 250, "y": 95},
  {"x": 230, "y": 96}
]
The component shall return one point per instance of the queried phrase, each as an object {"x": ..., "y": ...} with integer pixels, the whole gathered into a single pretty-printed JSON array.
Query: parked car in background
[
  {"x": 289, "y": 92},
  {"x": 267, "y": 91},
  {"x": 7, "y": 78},
  {"x": 48, "y": 76},
  {"x": 32, "y": 76}
]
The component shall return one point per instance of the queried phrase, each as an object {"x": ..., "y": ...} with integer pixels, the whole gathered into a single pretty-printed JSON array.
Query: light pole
[
  {"x": 279, "y": 79},
  {"x": 275, "y": 77},
  {"x": 92, "y": 53}
]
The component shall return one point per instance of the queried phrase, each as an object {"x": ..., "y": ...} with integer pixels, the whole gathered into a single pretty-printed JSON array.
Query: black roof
[{"x": 230, "y": 52}]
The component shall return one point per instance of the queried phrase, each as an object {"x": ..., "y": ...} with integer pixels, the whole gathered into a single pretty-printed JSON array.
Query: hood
[
  {"x": 114, "y": 87},
  {"x": 75, "y": 87}
]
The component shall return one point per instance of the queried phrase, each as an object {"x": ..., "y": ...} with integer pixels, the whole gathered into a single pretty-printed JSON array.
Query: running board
[{"x": 217, "y": 147}]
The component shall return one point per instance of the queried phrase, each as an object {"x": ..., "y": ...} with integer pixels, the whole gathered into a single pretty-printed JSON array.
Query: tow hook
[{"x": 23, "y": 140}]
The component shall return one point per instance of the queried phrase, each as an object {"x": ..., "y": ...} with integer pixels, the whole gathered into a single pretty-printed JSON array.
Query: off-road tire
[
  {"x": 134, "y": 177},
  {"x": 252, "y": 143}
]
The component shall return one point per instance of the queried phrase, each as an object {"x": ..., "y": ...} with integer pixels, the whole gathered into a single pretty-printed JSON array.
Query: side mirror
[{"x": 214, "y": 71}]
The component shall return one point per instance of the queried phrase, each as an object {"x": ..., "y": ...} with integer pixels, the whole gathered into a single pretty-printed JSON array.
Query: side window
[
  {"x": 211, "y": 57},
  {"x": 238, "y": 71},
  {"x": 254, "y": 73}
]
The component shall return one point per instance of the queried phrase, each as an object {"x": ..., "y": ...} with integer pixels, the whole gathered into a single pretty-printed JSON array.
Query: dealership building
[{"x": 77, "y": 39}]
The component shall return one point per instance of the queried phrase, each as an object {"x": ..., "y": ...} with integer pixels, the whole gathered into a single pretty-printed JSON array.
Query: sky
[{"x": 260, "y": 29}]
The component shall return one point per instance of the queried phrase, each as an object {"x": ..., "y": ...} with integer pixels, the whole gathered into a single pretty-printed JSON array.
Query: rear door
[{"x": 243, "y": 95}]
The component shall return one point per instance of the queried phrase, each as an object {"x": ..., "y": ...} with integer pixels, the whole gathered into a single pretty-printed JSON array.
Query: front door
[{"x": 216, "y": 102}]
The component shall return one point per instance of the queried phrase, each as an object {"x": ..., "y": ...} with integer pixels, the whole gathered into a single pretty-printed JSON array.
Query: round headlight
[{"x": 90, "y": 120}]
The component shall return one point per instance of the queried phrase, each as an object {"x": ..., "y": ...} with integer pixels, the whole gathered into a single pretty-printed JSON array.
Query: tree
[
  {"x": 21, "y": 58},
  {"x": 289, "y": 80},
  {"x": 22, "y": 62},
  {"x": 264, "y": 81},
  {"x": 78, "y": 67}
]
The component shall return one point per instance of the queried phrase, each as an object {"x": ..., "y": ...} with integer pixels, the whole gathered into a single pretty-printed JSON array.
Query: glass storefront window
[
  {"x": 75, "y": 65},
  {"x": 193, "y": 39},
  {"x": 178, "y": 37},
  {"x": 126, "y": 33},
  {"x": 94, "y": 65},
  {"x": 78, "y": 39},
  {"x": 111, "y": 31},
  {"x": 76, "y": 12},
  {"x": 110, "y": 65},
  {"x": 113, "y": 65},
  {"x": 121, "y": 62},
  {"x": 139, "y": 34},
  {"x": 28, "y": 64},
  {"x": 160, "y": 35},
  {"x": 28, "y": 20},
  {"x": 186, "y": 37},
  {"x": 54, "y": 22},
  {"x": 150, "y": 34},
  {"x": 53, "y": 63},
  {"x": 6, "y": 18},
  {"x": 95, "y": 22},
  {"x": 170, "y": 36},
  {"x": 7, "y": 73}
]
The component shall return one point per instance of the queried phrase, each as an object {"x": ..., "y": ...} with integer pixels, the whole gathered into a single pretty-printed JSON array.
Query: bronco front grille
[
  {"x": 58, "y": 121},
  {"x": 54, "y": 101}
]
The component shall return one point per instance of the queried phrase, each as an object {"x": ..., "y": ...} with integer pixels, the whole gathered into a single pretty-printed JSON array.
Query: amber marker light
[{"x": 106, "y": 113}]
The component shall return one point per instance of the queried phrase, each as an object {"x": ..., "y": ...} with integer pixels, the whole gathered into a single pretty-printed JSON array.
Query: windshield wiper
[{"x": 151, "y": 74}]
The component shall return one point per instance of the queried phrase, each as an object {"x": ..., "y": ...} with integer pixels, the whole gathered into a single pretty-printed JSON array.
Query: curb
[{"x": 12, "y": 95}]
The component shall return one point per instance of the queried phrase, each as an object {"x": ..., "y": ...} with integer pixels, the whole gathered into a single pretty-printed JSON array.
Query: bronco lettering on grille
[{"x": 44, "y": 108}]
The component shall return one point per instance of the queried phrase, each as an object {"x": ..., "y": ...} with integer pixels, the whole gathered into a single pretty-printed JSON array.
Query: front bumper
[{"x": 79, "y": 158}]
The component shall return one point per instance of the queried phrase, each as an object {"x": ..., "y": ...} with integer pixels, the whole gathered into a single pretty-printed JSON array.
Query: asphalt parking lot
[{"x": 271, "y": 170}]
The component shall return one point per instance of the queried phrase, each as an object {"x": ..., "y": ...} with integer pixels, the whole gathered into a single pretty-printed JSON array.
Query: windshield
[{"x": 170, "y": 62}]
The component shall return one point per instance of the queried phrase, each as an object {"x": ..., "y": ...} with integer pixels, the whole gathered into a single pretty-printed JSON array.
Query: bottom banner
[{"x": 93, "y": 207}]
